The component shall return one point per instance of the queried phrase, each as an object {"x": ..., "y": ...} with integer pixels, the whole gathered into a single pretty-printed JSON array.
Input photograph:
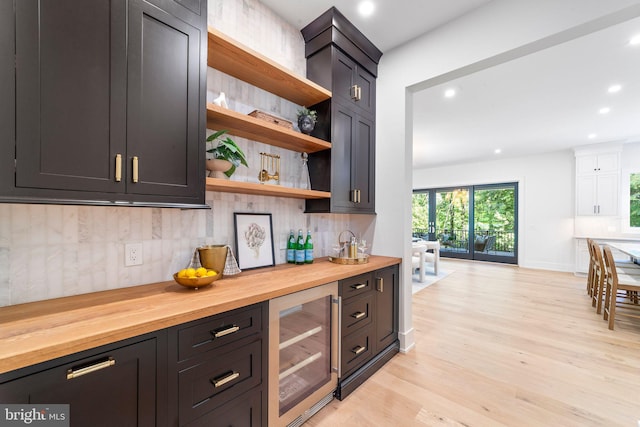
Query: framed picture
[{"x": 254, "y": 240}]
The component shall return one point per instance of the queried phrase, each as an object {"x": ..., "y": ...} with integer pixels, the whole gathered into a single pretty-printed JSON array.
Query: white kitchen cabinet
[{"x": 597, "y": 184}]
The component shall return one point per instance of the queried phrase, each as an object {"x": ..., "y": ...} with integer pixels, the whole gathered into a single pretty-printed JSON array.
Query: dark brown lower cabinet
[
  {"x": 115, "y": 385},
  {"x": 369, "y": 334}
]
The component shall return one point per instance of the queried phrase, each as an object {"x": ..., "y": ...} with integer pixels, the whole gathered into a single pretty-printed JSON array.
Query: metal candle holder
[{"x": 268, "y": 163}]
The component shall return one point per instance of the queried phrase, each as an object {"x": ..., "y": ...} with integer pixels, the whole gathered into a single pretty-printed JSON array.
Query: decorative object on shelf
[
  {"x": 269, "y": 163},
  {"x": 228, "y": 150},
  {"x": 307, "y": 120},
  {"x": 271, "y": 119},
  {"x": 254, "y": 240},
  {"x": 217, "y": 167},
  {"x": 304, "y": 180},
  {"x": 221, "y": 101},
  {"x": 346, "y": 251}
]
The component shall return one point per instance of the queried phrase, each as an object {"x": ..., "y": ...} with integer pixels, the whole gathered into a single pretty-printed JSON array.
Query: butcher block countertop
[{"x": 36, "y": 332}]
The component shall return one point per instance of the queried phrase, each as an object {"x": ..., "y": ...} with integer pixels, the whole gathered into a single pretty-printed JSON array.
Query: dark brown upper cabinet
[
  {"x": 108, "y": 102},
  {"x": 341, "y": 59}
]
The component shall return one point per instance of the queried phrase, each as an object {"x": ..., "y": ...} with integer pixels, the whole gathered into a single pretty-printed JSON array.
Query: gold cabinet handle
[
  {"x": 353, "y": 92},
  {"x": 358, "y": 315},
  {"x": 358, "y": 93},
  {"x": 135, "y": 168},
  {"x": 358, "y": 286},
  {"x": 219, "y": 382},
  {"x": 227, "y": 331},
  {"x": 359, "y": 349},
  {"x": 75, "y": 373},
  {"x": 380, "y": 284},
  {"x": 358, "y": 194},
  {"x": 118, "y": 167}
]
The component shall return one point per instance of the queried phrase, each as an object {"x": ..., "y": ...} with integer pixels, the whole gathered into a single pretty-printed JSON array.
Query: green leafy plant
[
  {"x": 227, "y": 149},
  {"x": 306, "y": 112}
]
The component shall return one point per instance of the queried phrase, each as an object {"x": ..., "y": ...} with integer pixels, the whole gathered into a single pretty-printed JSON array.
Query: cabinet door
[
  {"x": 607, "y": 191},
  {"x": 386, "y": 307},
  {"x": 163, "y": 104},
  {"x": 352, "y": 84},
  {"x": 120, "y": 394},
  {"x": 586, "y": 195},
  {"x": 7, "y": 96},
  {"x": 353, "y": 162},
  {"x": 363, "y": 165},
  {"x": 70, "y": 93}
]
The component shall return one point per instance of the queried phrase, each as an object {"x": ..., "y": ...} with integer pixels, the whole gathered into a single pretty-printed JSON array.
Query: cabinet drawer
[
  {"x": 208, "y": 385},
  {"x": 211, "y": 333},
  {"x": 245, "y": 410},
  {"x": 354, "y": 286},
  {"x": 356, "y": 350},
  {"x": 356, "y": 313}
]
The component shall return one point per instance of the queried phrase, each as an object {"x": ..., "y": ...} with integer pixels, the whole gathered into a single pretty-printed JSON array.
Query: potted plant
[
  {"x": 307, "y": 120},
  {"x": 227, "y": 156}
]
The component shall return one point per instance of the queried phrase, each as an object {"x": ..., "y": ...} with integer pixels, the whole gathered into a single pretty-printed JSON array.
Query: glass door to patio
[{"x": 475, "y": 222}]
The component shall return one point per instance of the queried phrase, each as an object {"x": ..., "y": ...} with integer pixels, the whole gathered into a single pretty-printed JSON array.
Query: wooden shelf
[
  {"x": 254, "y": 129},
  {"x": 228, "y": 186},
  {"x": 231, "y": 57}
]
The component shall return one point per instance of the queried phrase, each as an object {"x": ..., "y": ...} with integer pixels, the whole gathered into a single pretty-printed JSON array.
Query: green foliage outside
[{"x": 634, "y": 200}]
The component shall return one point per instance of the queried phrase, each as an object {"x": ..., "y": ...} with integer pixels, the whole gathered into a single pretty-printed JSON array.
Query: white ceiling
[{"x": 545, "y": 101}]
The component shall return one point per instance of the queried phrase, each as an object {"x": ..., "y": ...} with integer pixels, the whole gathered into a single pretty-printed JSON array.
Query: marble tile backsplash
[{"x": 50, "y": 251}]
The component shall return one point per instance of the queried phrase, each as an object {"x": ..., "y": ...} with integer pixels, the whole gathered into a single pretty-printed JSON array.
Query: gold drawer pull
[
  {"x": 75, "y": 373},
  {"x": 358, "y": 315},
  {"x": 231, "y": 330},
  {"x": 222, "y": 381},
  {"x": 359, "y": 286},
  {"x": 359, "y": 349},
  {"x": 380, "y": 284}
]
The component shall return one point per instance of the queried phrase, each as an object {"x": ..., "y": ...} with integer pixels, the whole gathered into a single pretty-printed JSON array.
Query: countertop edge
[{"x": 36, "y": 332}]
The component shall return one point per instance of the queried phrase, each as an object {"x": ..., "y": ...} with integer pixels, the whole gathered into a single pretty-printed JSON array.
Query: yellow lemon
[
  {"x": 211, "y": 273},
  {"x": 201, "y": 271},
  {"x": 191, "y": 272},
  {"x": 182, "y": 273}
]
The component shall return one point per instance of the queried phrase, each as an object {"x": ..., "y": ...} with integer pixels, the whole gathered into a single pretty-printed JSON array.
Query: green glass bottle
[
  {"x": 308, "y": 249},
  {"x": 291, "y": 248},
  {"x": 300, "y": 248}
]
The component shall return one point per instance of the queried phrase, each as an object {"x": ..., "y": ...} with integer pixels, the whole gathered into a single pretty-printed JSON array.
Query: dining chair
[
  {"x": 599, "y": 276},
  {"x": 614, "y": 283},
  {"x": 591, "y": 272}
]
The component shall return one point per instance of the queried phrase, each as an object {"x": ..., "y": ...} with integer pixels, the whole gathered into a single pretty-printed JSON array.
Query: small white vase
[{"x": 217, "y": 168}]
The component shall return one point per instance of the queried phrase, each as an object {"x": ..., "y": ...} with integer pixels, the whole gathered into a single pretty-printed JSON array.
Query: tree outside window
[{"x": 634, "y": 200}]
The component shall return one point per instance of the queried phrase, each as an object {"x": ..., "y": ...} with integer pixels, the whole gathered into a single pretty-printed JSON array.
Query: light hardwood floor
[{"x": 499, "y": 345}]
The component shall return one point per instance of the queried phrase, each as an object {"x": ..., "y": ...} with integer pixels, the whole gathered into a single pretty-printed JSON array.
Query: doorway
[{"x": 478, "y": 222}]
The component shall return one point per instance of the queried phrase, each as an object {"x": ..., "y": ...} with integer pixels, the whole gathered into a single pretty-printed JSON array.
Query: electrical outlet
[{"x": 132, "y": 254}]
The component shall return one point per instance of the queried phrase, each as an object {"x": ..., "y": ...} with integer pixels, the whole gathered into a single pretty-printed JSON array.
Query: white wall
[
  {"x": 500, "y": 26},
  {"x": 545, "y": 201}
]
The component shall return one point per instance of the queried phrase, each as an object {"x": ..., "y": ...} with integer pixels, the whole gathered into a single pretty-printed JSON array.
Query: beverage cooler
[{"x": 303, "y": 353}]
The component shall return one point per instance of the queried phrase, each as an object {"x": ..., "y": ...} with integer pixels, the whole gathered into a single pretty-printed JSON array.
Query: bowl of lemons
[{"x": 196, "y": 277}]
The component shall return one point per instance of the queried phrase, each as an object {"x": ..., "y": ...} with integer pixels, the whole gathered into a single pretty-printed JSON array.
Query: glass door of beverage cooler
[{"x": 303, "y": 353}]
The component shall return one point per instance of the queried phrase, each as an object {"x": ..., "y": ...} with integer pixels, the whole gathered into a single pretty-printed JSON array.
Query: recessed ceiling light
[
  {"x": 614, "y": 88},
  {"x": 497, "y": 151},
  {"x": 604, "y": 110},
  {"x": 635, "y": 40},
  {"x": 450, "y": 93},
  {"x": 592, "y": 136},
  {"x": 366, "y": 8}
]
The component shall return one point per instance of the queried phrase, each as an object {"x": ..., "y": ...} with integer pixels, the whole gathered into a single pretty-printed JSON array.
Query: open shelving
[{"x": 241, "y": 62}]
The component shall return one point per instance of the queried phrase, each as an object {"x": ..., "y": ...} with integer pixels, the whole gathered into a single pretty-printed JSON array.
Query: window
[{"x": 634, "y": 200}]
